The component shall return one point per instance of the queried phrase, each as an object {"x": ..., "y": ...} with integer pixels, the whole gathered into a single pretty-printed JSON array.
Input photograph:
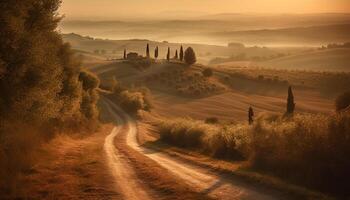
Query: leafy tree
[
  {"x": 343, "y": 101},
  {"x": 190, "y": 56},
  {"x": 250, "y": 116},
  {"x": 176, "y": 55},
  {"x": 147, "y": 51},
  {"x": 168, "y": 54},
  {"x": 290, "y": 101},
  {"x": 181, "y": 53},
  {"x": 156, "y": 52},
  {"x": 39, "y": 77}
]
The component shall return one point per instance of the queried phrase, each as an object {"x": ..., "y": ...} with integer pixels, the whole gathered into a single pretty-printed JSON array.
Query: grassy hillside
[
  {"x": 228, "y": 102},
  {"x": 321, "y": 60}
]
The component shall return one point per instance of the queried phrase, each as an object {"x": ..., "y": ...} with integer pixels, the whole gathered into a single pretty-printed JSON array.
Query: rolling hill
[{"x": 321, "y": 60}]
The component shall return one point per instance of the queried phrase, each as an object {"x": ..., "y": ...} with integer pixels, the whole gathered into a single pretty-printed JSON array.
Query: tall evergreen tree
[
  {"x": 250, "y": 116},
  {"x": 124, "y": 54},
  {"x": 290, "y": 101},
  {"x": 190, "y": 56},
  {"x": 176, "y": 55},
  {"x": 168, "y": 54},
  {"x": 181, "y": 53},
  {"x": 156, "y": 52},
  {"x": 147, "y": 51}
]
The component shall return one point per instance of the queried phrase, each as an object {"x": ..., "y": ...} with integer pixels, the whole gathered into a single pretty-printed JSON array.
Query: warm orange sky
[{"x": 114, "y": 9}]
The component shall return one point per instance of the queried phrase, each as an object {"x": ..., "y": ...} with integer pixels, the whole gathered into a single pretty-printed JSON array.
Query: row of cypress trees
[{"x": 189, "y": 56}]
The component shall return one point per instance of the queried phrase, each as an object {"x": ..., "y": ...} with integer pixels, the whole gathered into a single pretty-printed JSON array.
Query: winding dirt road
[
  {"x": 120, "y": 168},
  {"x": 201, "y": 179}
]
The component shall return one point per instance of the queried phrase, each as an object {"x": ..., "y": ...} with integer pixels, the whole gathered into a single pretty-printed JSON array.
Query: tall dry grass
[
  {"x": 18, "y": 144},
  {"x": 213, "y": 139},
  {"x": 306, "y": 149},
  {"x": 312, "y": 150}
]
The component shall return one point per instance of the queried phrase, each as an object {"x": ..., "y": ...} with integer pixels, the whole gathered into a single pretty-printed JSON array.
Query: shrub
[
  {"x": 343, "y": 101},
  {"x": 132, "y": 101},
  {"x": 214, "y": 140},
  {"x": 89, "y": 96},
  {"x": 190, "y": 56},
  {"x": 307, "y": 149},
  {"x": 207, "y": 72},
  {"x": 311, "y": 150},
  {"x": 212, "y": 120}
]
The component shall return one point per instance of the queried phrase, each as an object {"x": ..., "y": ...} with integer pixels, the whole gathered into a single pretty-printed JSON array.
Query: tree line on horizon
[{"x": 188, "y": 56}]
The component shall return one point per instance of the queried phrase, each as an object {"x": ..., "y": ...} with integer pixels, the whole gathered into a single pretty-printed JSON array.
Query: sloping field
[
  {"x": 234, "y": 105},
  {"x": 325, "y": 60},
  {"x": 227, "y": 105},
  {"x": 318, "y": 60}
]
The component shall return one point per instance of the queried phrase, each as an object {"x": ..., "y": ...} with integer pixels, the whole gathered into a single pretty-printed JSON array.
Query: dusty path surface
[
  {"x": 129, "y": 185},
  {"x": 199, "y": 178}
]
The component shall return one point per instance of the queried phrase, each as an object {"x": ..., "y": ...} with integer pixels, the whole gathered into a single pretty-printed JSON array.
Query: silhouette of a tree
[
  {"x": 156, "y": 52},
  {"x": 176, "y": 55},
  {"x": 190, "y": 56},
  {"x": 250, "y": 116},
  {"x": 168, "y": 54},
  {"x": 181, "y": 53},
  {"x": 147, "y": 51},
  {"x": 290, "y": 101}
]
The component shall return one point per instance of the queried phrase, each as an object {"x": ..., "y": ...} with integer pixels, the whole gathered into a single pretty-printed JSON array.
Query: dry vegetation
[
  {"x": 185, "y": 82},
  {"x": 130, "y": 99},
  {"x": 330, "y": 83},
  {"x": 306, "y": 149},
  {"x": 43, "y": 89}
]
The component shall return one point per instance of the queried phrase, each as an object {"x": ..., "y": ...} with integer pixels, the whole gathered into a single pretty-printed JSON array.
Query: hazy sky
[{"x": 114, "y": 9}]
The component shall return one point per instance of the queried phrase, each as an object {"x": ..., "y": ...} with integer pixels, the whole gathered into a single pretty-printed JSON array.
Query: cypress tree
[
  {"x": 147, "y": 51},
  {"x": 181, "y": 53},
  {"x": 176, "y": 55},
  {"x": 156, "y": 52},
  {"x": 168, "y": 54},
  {"x": 250, "y": 116},
  {"x": 124, "y": 54},
  {"x": 290, "y": 101}
]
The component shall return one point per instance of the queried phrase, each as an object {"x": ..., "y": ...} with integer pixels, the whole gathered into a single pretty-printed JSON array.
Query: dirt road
[
  {"x": 121, "y": 169},
  {"x": 197, "y": 177}
]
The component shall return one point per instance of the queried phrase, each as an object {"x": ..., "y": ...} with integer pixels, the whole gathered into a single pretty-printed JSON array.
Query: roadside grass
[
  {"x": 163, "y": 184},
  {"x": 307, "y": 150},
  {"x": 67, "y": 167}
]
